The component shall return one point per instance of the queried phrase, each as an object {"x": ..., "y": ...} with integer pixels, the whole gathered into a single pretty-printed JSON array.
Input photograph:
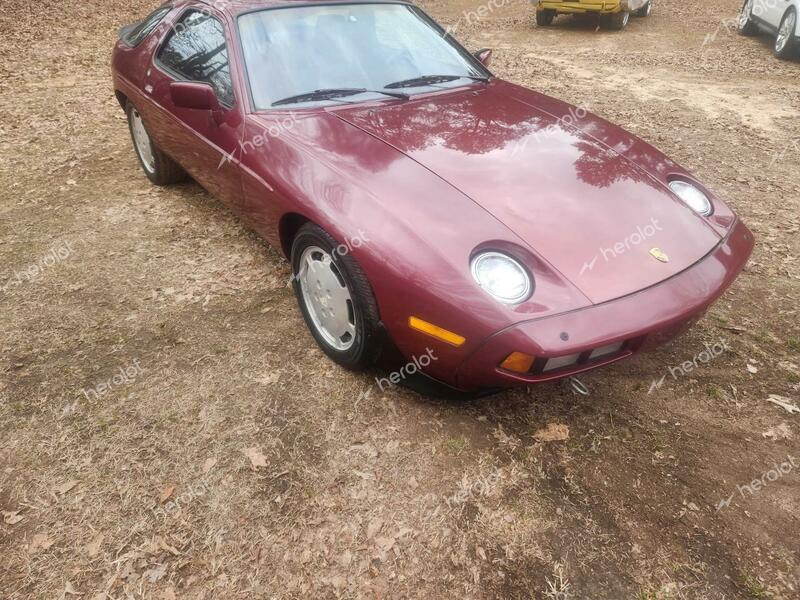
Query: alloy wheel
[
  {"x": 327, "y": 298},
  {"x": 785, "y": 32},
  {"x": 142, "y": 141}
]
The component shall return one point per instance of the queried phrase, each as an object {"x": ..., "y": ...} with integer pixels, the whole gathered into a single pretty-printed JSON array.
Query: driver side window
[{"x": 196, "y": 51}]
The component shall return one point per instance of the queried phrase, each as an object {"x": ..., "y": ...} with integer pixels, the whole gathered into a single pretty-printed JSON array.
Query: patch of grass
[
  {"x": 753, "y": 586},
  {"x": 661, "y": 594},
  {"x": 793, "y": 344},
  {"x": 764, "y": 337},
  {"x": 456, "y": 445},
  {"x": 792, "y": 377}
]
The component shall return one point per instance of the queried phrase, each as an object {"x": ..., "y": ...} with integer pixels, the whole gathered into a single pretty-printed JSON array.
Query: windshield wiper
[
  {"x": 429, "y": 79},
  {"x": 330, "y": 93}
]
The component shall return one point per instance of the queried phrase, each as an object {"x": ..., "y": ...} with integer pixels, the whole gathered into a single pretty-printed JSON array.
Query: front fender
[{"x": 418, "y": 232}]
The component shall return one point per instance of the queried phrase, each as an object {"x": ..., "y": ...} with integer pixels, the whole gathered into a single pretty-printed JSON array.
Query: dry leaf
[
  {"x": 208, "y": 465},
  {"x": 373, "y": 528},
  {"x": 782, "y": 431},
  {"x": 752, "y": 368},
  {"x": 166, "y": 494},
  {"x": 385, "y": 543},
  {"x": 40, "y": 542},
  {"x": 155, "y": 574},
  {"x": 69, "y": 589},
  {"x": 12, "y": 518},
  {"x": 164, "y": 545},
  {"x": 93, "y": 547},
  {"x": 256, "y": 458},
  {"x": 168, "y": 594},
  {"x": 65, "y": 487},
  {"x": 345, "y": 558},
  {"x": 554, "y": 432},
  {"x": 785, "y": 403}
]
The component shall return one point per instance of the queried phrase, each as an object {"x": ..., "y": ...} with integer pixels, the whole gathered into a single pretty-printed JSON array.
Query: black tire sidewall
[
  {"x": 368, "y": 341},
  {"x": 790, "y": 47},
  {"x": 615, "y": 21},
  {"x": 749, "y": 27},
  {"x": 545, "y": 17}
]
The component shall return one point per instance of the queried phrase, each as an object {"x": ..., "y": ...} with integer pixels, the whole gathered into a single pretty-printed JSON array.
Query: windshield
[{"x": 294, "y": 51}]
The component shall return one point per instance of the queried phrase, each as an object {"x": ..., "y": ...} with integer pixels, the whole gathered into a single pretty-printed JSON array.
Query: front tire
[
  {"x": 785, "y": 42},
  {"x": 645, "y": 10},
  {"x": 336, "y": 299},
  {"x": 616, "y": 21},
  {"x": 746, "y": 25},
  {"x": 544, "y": 18},
  {"x": 159, "y": 168}
]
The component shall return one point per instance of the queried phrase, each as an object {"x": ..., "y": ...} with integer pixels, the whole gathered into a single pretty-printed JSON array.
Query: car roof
[{"x": 236, "y": 7}]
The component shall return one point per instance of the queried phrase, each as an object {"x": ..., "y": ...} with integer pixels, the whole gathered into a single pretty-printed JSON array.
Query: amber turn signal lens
[
  {"x": 435, "y": 331},
  {"x": 518, "y": 362}
]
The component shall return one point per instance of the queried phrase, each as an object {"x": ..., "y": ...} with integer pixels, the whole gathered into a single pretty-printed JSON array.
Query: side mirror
[
  {"x": 484, "y": 56},
  {"x": 197, "y": 96}
]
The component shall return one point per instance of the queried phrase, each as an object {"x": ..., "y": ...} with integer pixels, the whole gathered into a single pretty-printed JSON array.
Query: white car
[{"x": 777, "y": 17}]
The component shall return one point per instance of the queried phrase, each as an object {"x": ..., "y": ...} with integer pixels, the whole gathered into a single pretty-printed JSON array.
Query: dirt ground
[{"x": 168, "y": 429}]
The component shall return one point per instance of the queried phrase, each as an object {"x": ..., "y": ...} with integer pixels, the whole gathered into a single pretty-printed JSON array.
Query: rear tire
[
  {"x": 159, "y": 168},
  {"x": 322, "y": 277},
  {"x": 616, "y": 21},
  {"x": 746, "y": 25},
  {"x": 645, "y": 10},
  {"x": 545, "y": 18},
  {"x": 785, "y": 42}
]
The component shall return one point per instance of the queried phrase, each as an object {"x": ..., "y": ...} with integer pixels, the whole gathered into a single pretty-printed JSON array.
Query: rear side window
[
  {"x": 137, "y": 33},
  {"x": 196, "y": 50}
]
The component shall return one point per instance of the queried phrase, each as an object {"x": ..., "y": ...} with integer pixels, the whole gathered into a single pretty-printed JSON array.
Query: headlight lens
[
  {"x": 692, "y": 197},
  {"x": 501, "y": 276}
]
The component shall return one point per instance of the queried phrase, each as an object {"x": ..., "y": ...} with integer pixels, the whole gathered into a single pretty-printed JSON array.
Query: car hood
[{"x": 596, "y": 214}]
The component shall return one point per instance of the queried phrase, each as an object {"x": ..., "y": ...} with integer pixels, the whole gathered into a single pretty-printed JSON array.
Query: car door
[{"x": 196, "y": 49}]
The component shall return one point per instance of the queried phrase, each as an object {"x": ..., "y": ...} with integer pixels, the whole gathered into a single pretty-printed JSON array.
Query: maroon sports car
[{"x": 426, "y": 206}]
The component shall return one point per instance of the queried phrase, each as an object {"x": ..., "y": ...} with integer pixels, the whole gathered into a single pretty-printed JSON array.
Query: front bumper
[
  {"x": 598, "y": 6},
  {"x": 637, "y": 321}
]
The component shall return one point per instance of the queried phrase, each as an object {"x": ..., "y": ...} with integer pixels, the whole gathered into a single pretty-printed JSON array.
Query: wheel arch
[
  {"x": 121, "y": 98},
  {"x": 288, "y": 227}
]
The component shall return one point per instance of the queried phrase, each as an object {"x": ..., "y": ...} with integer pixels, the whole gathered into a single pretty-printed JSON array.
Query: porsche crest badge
[{"x": 659, "y": 255}]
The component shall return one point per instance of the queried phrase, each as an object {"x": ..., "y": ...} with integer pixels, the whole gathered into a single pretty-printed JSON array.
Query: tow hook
[{"x": 578, "y": 386}]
